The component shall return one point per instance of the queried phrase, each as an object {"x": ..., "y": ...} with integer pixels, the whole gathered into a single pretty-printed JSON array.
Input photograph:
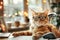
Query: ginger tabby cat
[{"x": 40, "y": 26}]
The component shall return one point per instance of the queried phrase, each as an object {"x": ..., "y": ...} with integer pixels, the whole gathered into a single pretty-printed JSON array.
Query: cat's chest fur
[{"x": 41, "y": 29}]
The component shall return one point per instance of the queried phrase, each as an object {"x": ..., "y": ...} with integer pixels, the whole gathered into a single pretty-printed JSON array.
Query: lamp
[
  {"x": 44, "y": 1},
  {"x": 0, "y": 7},
  {"x": 1, "y": 2},
  {"x": 25, "y": 14}
]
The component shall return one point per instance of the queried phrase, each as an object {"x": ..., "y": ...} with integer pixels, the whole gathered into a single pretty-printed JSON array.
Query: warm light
[
  {"x": 27, "y": 3},
  {"x": 27, "y": 0},
  {"x": 25, "y": 14},
  {"x": 44, "y": 1},
  {"x": 3, "y": 27},
  {"x": 5, "y": 15},
  {"x": 0, "y": 7},
  {"x": 15, "y": 13},
  {"x": 19, "y": 13},
  {"x": 1, "y": 2}
]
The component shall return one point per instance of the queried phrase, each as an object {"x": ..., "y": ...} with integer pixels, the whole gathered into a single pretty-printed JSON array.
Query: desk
[
  {"x": 16, "y": 39},
  {"x": 3, "y": 38},
  {"x": 28, "y": 38},
  {"x": 21, "y": 38}
]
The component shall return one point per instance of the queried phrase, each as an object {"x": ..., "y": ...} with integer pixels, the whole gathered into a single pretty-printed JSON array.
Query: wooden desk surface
[{"x": 3, "y": 38}]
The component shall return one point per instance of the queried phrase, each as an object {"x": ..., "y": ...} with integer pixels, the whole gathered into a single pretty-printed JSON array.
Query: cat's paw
[
  {"x": 15, "y": 34},
  {"x": 27, "y": 33},
  {"x": 37, "y": 36}
]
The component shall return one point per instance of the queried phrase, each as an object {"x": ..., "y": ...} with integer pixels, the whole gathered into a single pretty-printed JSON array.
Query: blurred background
[{"x": 16, "y": 15}]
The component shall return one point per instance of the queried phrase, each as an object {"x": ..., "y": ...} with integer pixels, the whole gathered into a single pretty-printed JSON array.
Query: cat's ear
[
  {"x": 33, "y": 12},
  {"x": 46, "y": 12}
]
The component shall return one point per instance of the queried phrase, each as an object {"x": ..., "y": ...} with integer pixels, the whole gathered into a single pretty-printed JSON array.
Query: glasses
[{"x": 36, "y": 18}]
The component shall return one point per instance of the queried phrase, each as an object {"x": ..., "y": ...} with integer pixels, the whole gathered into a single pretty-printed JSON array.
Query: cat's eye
[
  {"x": 44, "y": 17},
  {"x": 38, "y": 17},
  {"x": 35, "y": 18}
]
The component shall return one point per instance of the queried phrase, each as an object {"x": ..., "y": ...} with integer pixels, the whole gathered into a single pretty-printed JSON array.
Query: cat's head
[{"x": 40, "y": 17}]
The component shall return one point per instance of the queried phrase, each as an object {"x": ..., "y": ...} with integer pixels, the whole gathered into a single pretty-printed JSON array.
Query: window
[{"x": 13, "y": 11}]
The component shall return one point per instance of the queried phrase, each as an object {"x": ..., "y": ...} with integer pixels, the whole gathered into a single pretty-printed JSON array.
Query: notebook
[{"x": 4, "y": 35}]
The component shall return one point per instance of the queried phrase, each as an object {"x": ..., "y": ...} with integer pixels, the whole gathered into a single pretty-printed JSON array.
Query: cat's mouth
[{"x": 42, "y": 19}]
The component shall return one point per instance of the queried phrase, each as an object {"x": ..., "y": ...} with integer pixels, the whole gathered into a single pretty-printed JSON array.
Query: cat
[{"x": 40, "y": 26}]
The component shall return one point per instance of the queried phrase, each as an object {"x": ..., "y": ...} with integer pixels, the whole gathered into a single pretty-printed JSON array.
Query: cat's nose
[{"x": 42, "y": 18}]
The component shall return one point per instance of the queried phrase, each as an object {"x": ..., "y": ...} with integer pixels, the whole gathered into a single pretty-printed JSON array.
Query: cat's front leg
[
  {"x": 55, "y": 31},
  {"x": 27, "y": 33},
  {"x": 36, "y": 36}
]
